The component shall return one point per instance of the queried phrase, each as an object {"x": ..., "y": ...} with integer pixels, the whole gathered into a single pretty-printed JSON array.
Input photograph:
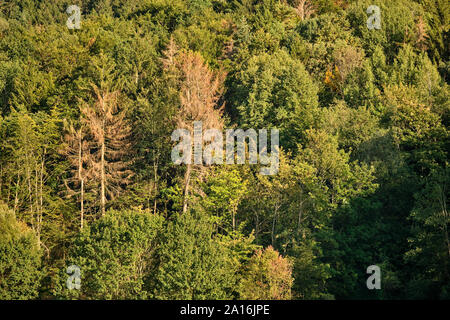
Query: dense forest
[{"x": 93, "y": 207}]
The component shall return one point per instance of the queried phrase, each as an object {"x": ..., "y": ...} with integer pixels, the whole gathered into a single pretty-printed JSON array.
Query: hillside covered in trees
[{"x": 87, "y": 180}]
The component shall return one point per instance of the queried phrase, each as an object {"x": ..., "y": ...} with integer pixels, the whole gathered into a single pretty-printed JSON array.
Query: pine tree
[
  {"x": 110, "y": 133},
  {"x": 77, "y": 150},
  {"x": 200, "y": 90},
  {"x": 20, "y": 258}
]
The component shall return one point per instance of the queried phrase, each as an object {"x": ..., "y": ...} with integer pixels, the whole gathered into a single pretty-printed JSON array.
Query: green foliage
[
  {"x": 398, "y": 25},
  {"x": 430, "y": 244},
  {"x": 309, "y": 273},
  {"x": 268, "y": 277},
  {"x": 116, "y": 257},
  {"x": 225, "y": 189},
  {"x": 363, "y": 116},
  {"x": 20, "y": 259},
  {"x": 417, "y": 129},
  {"x": 276, "y": 91},
  {"x": 193, "y": 264}
]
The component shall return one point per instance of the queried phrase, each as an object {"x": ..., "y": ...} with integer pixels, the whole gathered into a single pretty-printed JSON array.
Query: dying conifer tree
[
  {"x": 199, "y": 94},
  {"x": 200, "y": 90},
  {"x": 304, "y": 9},
  {"x": 169, "y": 56},
  {"x": 422, "y": 36},
  {"x": 77, "y": 150},
  {"x": 110, "y": 133}
]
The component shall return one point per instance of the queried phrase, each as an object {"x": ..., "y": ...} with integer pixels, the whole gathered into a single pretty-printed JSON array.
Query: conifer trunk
[
  {"x": 82, "y": 205},
  {"x": 80, "y": 177},
  {"x": 187, "y": 178},
  {"x": 102, "y": 178}
]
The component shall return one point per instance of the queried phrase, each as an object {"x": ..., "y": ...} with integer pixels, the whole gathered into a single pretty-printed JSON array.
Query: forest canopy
[{"x": 88, "y": 105}]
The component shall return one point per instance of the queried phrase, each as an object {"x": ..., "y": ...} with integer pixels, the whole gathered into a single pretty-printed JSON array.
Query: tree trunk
[
  {"x": 41, "y": 192},
  {"x": 9, "y": 189},
  {"x": 16, "y": 198},
  {"x": 235, "y": 207},
  {"x": 80, "y": 177},
  {"x": 443, "y": 203},
  {"x": 30, "y": 194},
  {"x": 155, "y": 173},
  {"x": 38, "y": 208},
  {"x": 257, "y": 225},
  {"x": 273, "y": 224},
  {"x": 82, "y": 205},
  {"x": 299, "y": 219},
  {"x": 187, "y": 178},
  {"x": 300, "y": 214},
  {"x": 102, "y": 164},
  {"x": 1, "y": 181}
]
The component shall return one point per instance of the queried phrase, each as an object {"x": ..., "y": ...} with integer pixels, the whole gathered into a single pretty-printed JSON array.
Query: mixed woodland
[{"x": 87, "y": 179}]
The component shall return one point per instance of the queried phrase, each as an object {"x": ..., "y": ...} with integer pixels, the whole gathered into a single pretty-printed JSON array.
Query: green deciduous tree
[
  {"x": 274, "y": 90},
  {"x": 193, "y": 264},
  {"x": 268, "y": 277}
]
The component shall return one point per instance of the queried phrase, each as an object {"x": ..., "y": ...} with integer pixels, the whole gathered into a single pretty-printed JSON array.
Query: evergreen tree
[{"x": 20, "y": 258}]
